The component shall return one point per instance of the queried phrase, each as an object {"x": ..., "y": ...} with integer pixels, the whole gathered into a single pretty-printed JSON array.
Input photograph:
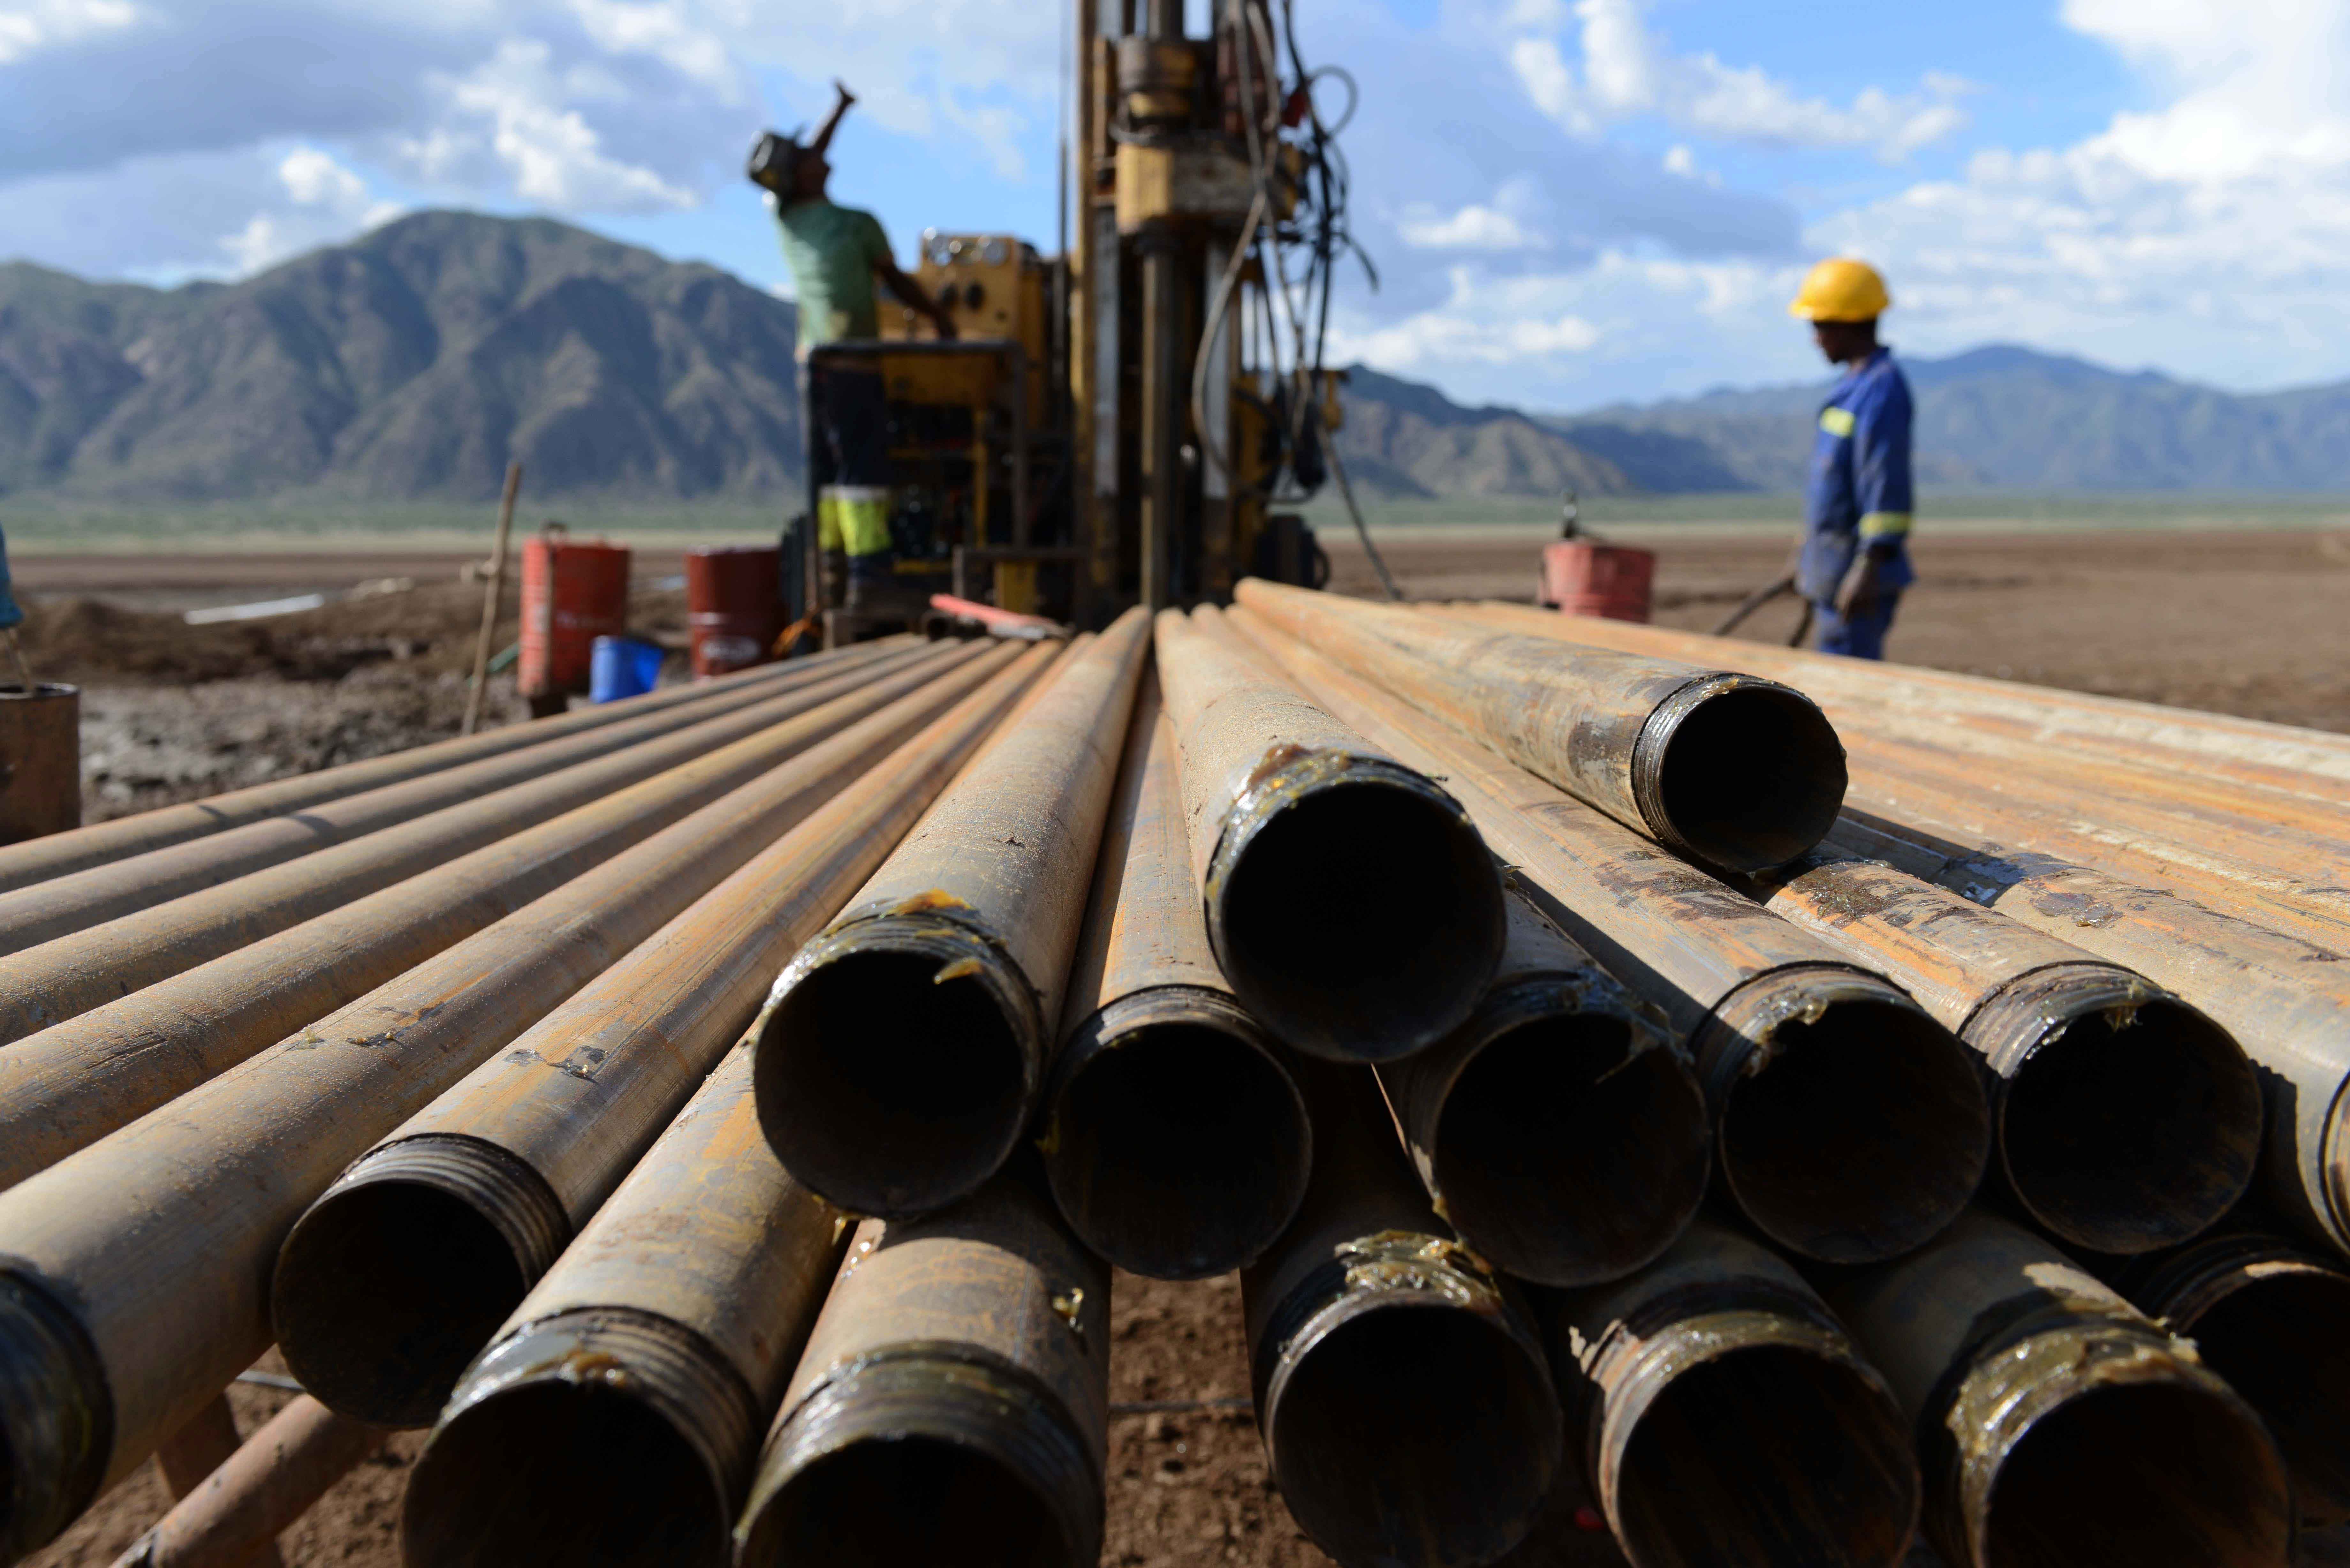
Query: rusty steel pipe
[
  {"x": 62, "y": 854},
  {"x": 2124, "y": 1120},
  {"x": 70, "y": 1085},
  {"x": 654, "y": 1353},
  {"x": 272, "y": 1479},
  {"x": 2286, "y": 1000},
  {"x": 2267, "y": 1316},
  {"x": 1342, "y": 953},
  {"x": 952, "y": 1405},
  {"x": 1848, "y": 1125},
  {"x": 2219, "y": 745},
  {"x": 73, "y": 973},
  {"x": 1561, "y": 1129},
  {"x": 2056, "y": 1425},
  {"x": 1174, "y": 1138},
  {"x": 397, "y": 1275},
  {"x": 1407, "y": 1409},
  {"x": 906, "y": 1049},
  {"x": 136, "y": 1278},
  {"x": 1728, "y": 770},
  {"x": 1721, "y": 1414},
  {"x": 64, "y": 904}
]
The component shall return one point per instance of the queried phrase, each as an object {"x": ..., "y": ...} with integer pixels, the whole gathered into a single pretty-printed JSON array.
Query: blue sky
[{"x": 1572, "y": 201}]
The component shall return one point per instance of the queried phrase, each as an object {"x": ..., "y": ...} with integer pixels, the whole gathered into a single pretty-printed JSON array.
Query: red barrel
[
  {"x": 733, "y": 605},
  {"x": 1584, "y": 578},
  {"x": 571, "y": 595}
]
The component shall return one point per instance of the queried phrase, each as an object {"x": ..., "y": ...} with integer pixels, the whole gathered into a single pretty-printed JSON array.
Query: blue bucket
[{"x": 621, "y": 667}]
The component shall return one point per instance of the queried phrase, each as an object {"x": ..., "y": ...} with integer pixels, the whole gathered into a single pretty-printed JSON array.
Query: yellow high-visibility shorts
[{"x": 854, "y": 518}]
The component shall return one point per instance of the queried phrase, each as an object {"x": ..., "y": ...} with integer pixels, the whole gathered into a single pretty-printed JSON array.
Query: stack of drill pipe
[
  {"x": 75, "y": 902},
  {"x": 137, "y": 1272},
  {"x": 954, "y": 1401},
  {"x": 906, "y": 1049},
  {"x": 1848, "y": 1125},
  {"x": 1719, "y": 1413},
  {"x": 2124, "y": 1119},
  {"x": 2267, "y": 1316},
  {"x": 653, "y": 1356},
  {"x": 2286, "y": 1002},
  {"x": 397, "y": 1275},
  {"x": 2055, "y": 1423},
  {"x": 270, "y": 1481},
  {"x": 2219, "y": 745},
  {"x": 71, "y": 1083},
  {"x": 1174, "y": 1138},
  {"x": 62, "y": 854},
  {"x": 2243, "y": 814},
  {"x": 1561, "y": 1129},
  {"x": 1349, "y": 900},
  {"x": 1726, "y": 770},
  {"x": 1406, "y": 1409},
  {"x": 70, "y": 974}
]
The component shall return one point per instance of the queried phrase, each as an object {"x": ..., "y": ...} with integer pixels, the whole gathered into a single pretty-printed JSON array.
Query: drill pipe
[
  {"x": 1727, "y": 770},
  {"x": 60, "y": 978},
  {"x": 954, "y": 1398},
  {"x": 1343, "y": 951},
  {"x": 136, "y": 1278},
  {"x": 2217, "y": 744},
  {"x": 62, "y": 854},
  {"x": 1561, "y": 1129},
  {"x": 2056, "y": 1426},
  {"x": 398, "y": 1274},
  {"x": 1724, "y": 1415},
  {"x": 1406, "y": 1410},
  {"x": 272, "y": 1480},
  {"x": 1159, "y": 1062},
  {"x": 73, "y": 1083},
  {"x": 655, "y": 1351},
  {"x": 906, "y": 1047},
  {"x": 1848, "y": 1125},
  {"x": 2286, "y": 1000},
  {"x": 64, "y": 904},
  {"x": 2268, "y": 1317},
  {"x": 2122, "y": 1119}
]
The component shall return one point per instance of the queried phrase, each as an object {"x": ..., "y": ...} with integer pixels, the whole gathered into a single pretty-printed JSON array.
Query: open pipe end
[
  {"x": 1740, "y": 774},
  {"x": 57, "y": 1419},
  {"x": 1769, "y": 1453},
  {"x": 2152, "y": 1469},
  {"x": 2275, "y": 1334},
  {"x": 1353, "y": 908},
  {"x": 396, "y": 1277},
  {"x": 593, "y": 1436},
  {"x": 2130, "y": 1127},
  {"x": 913, "y": 1460},
  {"x": 898, "y": 1070},
  {"x": 1412, "y": 1429},
  {"x": 1568, "y": 1155},
  {"x": 1178, "y": 1146},
  {"x": 1853, "y": 1128}
]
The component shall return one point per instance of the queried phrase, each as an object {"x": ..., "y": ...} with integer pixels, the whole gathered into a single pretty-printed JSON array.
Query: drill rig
[{"x": 1136, "y": 419}]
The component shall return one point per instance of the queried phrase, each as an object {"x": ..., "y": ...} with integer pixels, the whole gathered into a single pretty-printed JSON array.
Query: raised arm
[{"x": 832, "y": 121}]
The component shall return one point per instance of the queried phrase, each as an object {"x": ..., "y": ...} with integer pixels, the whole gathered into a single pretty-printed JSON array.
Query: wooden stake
[{"x": 490, "y": 600}]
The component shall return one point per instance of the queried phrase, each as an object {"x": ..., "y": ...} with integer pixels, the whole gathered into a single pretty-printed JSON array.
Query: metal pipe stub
[
  {"x": 1815, "y": 1072},
  {"x": 398, "y": 1274},
  {"x": 628, "y": 1396},
  {"x": 1739, "y": 773},
  {"x": 57, "y": 1419}
]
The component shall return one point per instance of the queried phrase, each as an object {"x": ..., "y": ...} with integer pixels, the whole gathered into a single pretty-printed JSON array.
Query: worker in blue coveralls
[{"x": 1854, "y": 561}]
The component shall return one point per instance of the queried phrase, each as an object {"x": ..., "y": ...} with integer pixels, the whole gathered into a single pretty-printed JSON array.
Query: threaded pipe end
[{"x": 57, "y": 1418}]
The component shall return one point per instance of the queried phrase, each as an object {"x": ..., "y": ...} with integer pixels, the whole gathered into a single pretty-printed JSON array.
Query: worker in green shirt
[{"x": 836, "y": 254}]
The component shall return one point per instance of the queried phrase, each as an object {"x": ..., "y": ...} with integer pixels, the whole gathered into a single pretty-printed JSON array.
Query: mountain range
[{"x": 415, "y": 362}]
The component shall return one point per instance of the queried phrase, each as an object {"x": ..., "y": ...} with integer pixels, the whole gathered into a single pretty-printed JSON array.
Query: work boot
[
  {"x": 875, "y": 589},
  {"x": 835, "y": 567}
]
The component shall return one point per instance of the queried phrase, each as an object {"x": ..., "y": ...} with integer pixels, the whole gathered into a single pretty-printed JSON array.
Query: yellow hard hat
[{"x": 1841, "y": 289}]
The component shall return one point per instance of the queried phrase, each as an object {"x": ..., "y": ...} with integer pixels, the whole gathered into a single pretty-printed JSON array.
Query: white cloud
[
  {"x": 1626, "y": 71},
  {"x": 30, "y": 25},
  {"x": 519, "y": 107}
]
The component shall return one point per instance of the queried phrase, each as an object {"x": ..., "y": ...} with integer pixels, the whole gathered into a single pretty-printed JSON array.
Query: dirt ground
[{"x": 2251, "y": 623}]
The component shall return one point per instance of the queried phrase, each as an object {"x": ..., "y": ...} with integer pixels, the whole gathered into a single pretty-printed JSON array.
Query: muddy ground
[{"x": 2251, "y": 623}]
